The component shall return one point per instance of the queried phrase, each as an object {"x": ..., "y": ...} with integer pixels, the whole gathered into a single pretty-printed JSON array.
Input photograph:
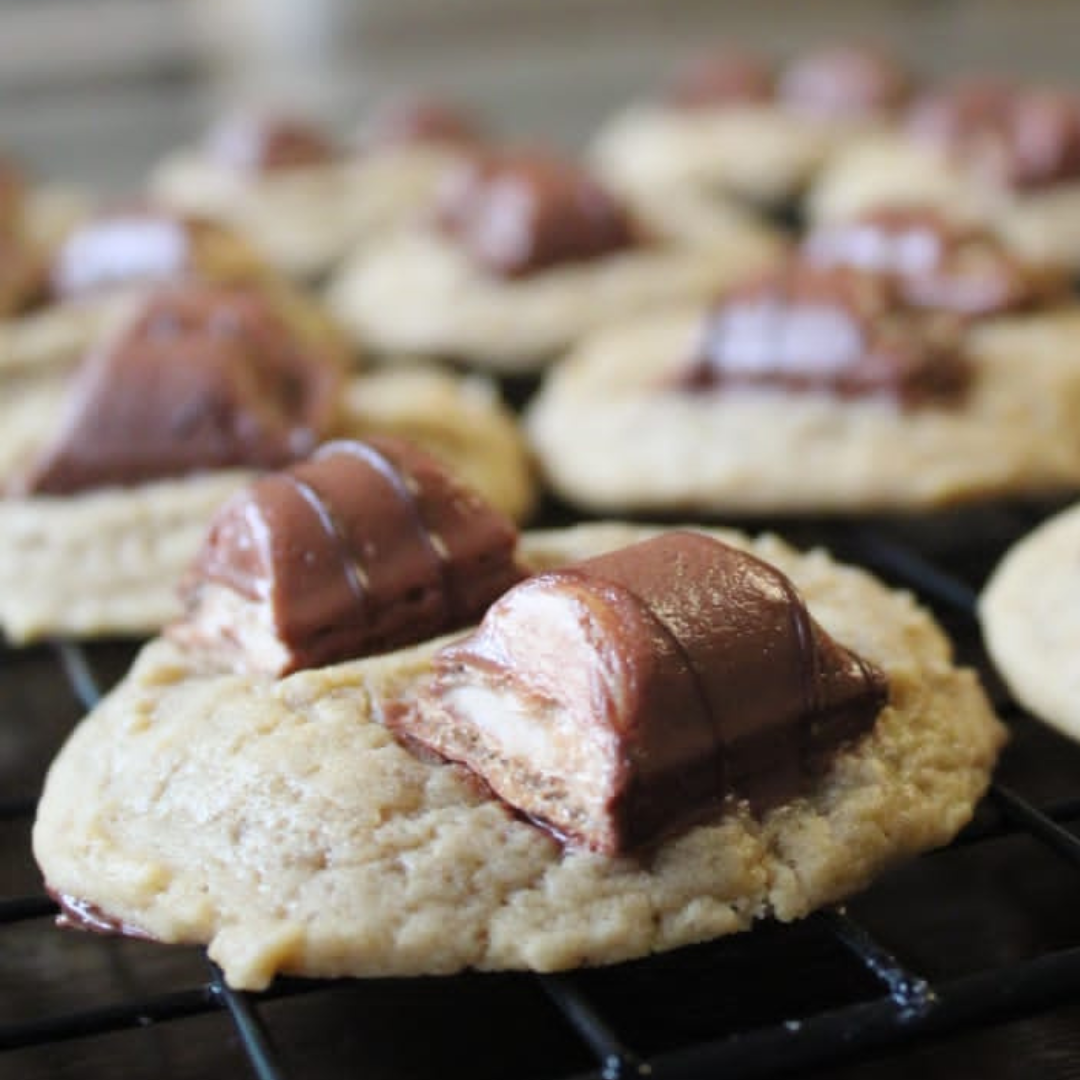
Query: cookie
[
  {"x": 503, "y": 281},
  {"x": 87, "y": 285},
  {"x": 983, "y": 151},
  {"x": 305, "y": 208},
  {"x": 736, "y": 123},
  {"x": 280, "y": 822},
  {"x": 1029, "y": 622},
  {"x": 955, "y": 383},
  {"x": 99, "y": 525}
]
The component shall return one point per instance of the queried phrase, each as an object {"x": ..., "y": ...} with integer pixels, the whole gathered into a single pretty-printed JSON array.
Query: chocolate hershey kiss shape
[
  {"x": 202, "y": 378},
  {"x": 247, "y": 142},
  {"x": 629, "y": 696},
  {"x": 519, "y": 213},
  {"x": 364, "y": 547},
  {"x": 934, "y": 263},
  {"x": 839, "y": 330}
]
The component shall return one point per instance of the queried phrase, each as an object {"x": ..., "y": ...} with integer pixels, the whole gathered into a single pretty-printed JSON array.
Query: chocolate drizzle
[
  {"x": 202, "y": 378},
  {"x": 362, "y": 548},
  {"x": 837, "y": 330},
  {"x": 629, "y": 696},
  {"x": 516, "y": 214},
  {"x": 1024, "y": 138}
]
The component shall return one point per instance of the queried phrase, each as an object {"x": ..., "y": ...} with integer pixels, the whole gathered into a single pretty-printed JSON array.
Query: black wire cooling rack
[{"x": 986, "y": 928}]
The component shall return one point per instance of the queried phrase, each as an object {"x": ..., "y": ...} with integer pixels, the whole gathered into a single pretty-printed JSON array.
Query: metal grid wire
[{"x": 903, "y": 1004}]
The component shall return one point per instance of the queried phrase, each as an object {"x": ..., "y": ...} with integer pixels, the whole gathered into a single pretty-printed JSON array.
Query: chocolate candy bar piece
[
  {"x": 202, "y": 378},
  {"x": 364, "y": 547},
  {"x": 723, "y": 76},
  {"x": 1020, "y": 137},
  {"x": 418, "y": 119},
  {"x": 843, "y": 331},
  {"x": 519, "y": 213},
  {"x": 934, "y": 262},
  {"x": 846, "y": 82},
  {"x": 148, "y": 246},
  {"x": 264, "y": 143},
  {"x": 627, "y": 697}
]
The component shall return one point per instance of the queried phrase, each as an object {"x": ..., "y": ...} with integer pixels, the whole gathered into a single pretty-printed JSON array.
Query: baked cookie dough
[
  {"x": 1028, "y": 611},
  {"x": 280, "y": 823},
  {"x": 422, "y": 292},
  {"x": 305, "y": 214},
  {"x": 982, "y": 167},
  {"x": 732, "y": 123},
  {"x": 611, "y": 432}
]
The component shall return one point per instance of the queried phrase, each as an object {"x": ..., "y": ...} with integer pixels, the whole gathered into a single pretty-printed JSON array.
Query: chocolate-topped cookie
[
  {"x": 982, "y": 151},
  {"x": 420, "y": 119},
  {"x": 265, "y": 143},
  {"x": 282, "y": 823},
  {"x": 301, "y": 198},
  {"x": 146, "y": 246},
  {"x": 201, "y": 378},
  {"x": 744, "y": 125},
  {"x": 840, "y": 330},
  {"x": 893, "y": 363},
  {"x": 522, "y": 251},
  {"x": 518, "y": 214},
  {"x": 112, "y": 477}
]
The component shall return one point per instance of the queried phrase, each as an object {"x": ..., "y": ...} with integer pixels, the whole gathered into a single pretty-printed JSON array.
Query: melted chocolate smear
[{"x": 78, "y": 914}]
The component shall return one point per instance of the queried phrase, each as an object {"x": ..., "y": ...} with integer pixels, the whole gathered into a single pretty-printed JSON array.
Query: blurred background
[{"x": 96, "y": 90}]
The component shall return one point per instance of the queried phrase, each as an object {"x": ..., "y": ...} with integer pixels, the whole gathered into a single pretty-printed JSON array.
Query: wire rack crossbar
[
  {"x": 909, "y": 1004},
  {"x": 992, "y": 996},
  {"x": 617, "y": 1061}
]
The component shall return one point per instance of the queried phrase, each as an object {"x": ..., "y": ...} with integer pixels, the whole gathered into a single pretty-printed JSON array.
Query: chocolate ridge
[{"x": 395, "y": 473}]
